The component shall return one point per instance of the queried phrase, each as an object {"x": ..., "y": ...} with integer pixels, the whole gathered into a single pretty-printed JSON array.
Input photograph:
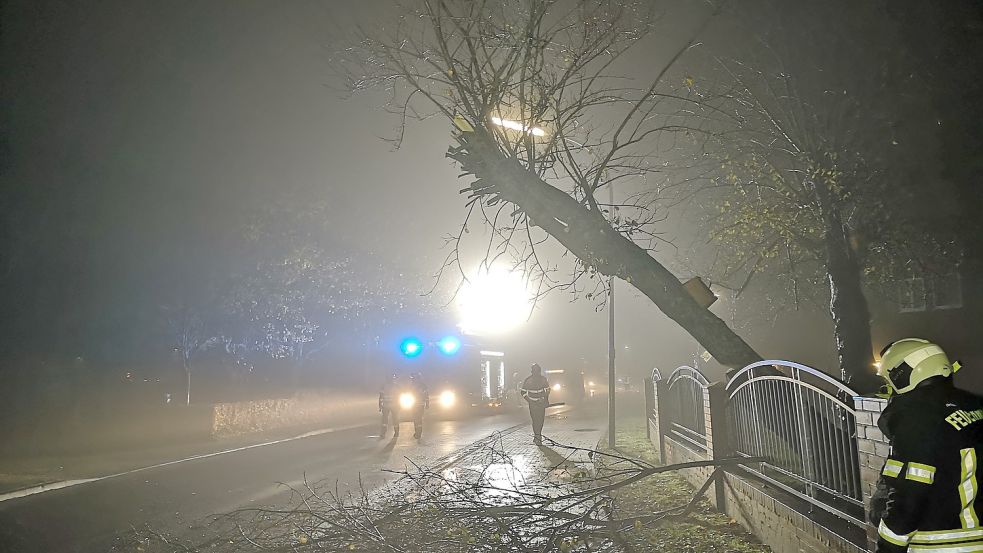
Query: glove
[{"x": 878, "y": 503}]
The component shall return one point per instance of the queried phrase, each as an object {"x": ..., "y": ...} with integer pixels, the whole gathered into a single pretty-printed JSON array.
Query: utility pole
[{"x": 612, "y": 380}]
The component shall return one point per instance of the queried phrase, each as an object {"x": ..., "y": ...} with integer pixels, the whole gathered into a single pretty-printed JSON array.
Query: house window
[
  {"x": 947, "y": 291},
  {"x": 912, "y": 295},
  {"x": 932, "y": 291}
]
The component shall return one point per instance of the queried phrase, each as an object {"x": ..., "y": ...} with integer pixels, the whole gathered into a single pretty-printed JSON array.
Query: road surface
[{"x": 173, "y": 498}]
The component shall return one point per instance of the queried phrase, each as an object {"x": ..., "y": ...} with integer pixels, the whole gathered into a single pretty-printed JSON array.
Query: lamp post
[{"x": 612, "y": 380}]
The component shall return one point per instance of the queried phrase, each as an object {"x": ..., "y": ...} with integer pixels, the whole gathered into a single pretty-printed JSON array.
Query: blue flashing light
[
  {"x": 449, "y": 345},
  {"x": 411, "y": 347}
]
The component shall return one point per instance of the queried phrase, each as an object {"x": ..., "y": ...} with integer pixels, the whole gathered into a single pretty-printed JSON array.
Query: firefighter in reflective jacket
[
  {"x": 927, "y": 498},
  {"x": 536, "y": 391}
]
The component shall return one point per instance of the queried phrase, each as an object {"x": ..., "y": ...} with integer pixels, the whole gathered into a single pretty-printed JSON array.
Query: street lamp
[{"x": 612, "y": 379}]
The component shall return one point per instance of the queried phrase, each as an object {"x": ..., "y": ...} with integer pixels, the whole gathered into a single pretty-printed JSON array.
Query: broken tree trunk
[{"x": 589, "y": 236}]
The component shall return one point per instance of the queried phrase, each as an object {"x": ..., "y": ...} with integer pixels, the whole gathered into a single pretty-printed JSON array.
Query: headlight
[
  {"x": 556, "y": 387},
  {"x": 406, "y": 400},
  {"x": 447, "y": 399}
]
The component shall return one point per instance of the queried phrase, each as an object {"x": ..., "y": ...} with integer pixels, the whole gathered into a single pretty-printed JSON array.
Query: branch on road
[{"x": 495, "y": 501}]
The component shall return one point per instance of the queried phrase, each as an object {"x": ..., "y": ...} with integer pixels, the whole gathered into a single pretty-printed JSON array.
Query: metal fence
[
  {"x": 800, "y": 421},
  {"x": 687, "y": 405}
]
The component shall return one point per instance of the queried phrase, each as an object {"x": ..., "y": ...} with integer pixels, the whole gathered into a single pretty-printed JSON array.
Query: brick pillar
[
  {"x": 718, "y": 444},
  {"x": 874, "y": 450}
]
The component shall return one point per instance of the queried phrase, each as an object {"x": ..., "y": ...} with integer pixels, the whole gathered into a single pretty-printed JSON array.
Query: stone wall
[{"x": 333, "y": 409}]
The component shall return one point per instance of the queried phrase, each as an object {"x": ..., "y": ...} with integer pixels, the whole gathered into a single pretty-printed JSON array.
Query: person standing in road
[
  {"x": 927, "y": 498},
  {"x": 387, "y": 405},
  {"x": 422, "y": 396},
  {"x": 536, "y": 391},
  {"x": 412, "y": 399}
]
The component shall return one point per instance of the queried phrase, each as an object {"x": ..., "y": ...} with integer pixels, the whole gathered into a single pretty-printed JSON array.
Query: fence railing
[
  {"x": 800, "y": 421},
  {"x": 687, "y": 403}
]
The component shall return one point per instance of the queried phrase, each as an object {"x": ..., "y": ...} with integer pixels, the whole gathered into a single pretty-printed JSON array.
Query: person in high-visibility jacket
[
  {"x": 536, "y": 391},
  {"x": 927, "y": 498}
]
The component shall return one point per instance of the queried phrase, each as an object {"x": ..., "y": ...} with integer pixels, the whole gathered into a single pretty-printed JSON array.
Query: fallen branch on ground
[{"x": 495, "y": 504}]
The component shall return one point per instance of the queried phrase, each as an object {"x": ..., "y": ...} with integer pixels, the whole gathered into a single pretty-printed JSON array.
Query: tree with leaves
[
  {"x": 821, "y": 159},
  {"x": 296, "y": 288}
]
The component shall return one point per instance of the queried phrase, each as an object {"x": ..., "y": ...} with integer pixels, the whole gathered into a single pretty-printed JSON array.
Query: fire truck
[{"x": 461, "y": 374}]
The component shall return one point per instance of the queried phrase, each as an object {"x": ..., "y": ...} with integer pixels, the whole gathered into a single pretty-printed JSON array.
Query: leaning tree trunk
[
  {"x": 589, "y": 236},
  {"x": 847, "y": 304}
]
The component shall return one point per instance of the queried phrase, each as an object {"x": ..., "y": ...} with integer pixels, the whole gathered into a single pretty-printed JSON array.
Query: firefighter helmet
[{"x": 908, "y": 362}]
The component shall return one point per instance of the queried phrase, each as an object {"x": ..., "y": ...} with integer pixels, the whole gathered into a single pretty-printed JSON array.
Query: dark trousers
[
  {"x": 417, "y": 415},
  {"x": 537, "y": 412},
  {"x": 387, "y": 415}
]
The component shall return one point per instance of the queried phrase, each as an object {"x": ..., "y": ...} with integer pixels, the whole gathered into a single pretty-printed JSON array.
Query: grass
[{"x": 703, "y": 531}]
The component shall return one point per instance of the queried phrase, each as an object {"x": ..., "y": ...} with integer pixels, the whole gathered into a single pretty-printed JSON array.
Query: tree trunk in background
[
  {"x": 847, "y": 303},
  {"x": 589, "y": 236}
]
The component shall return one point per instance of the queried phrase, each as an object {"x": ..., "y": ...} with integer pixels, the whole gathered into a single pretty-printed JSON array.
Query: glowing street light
[
  {"x": 517, "y": 126},
  {"x": 494, "y": 301}
]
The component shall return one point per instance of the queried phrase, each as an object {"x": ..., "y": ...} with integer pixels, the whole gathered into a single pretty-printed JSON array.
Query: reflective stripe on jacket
[{"x": 535, "y": 388}]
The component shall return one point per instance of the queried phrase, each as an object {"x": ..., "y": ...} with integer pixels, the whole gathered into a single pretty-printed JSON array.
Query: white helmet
[{"x": 908, "y": 362}]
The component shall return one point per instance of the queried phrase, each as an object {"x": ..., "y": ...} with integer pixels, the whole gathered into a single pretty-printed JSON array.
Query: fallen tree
[{"x": 591, "y": 237}]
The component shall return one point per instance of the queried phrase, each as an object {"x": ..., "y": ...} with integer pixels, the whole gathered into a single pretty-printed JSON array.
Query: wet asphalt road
[{"x": 178, "y": 497}]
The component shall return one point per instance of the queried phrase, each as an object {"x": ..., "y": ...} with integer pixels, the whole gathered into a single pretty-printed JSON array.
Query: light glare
[
  {"x": 411, "y": 347},
  {"x": 517, "y": 126},
  {"x": 447, "y": 399},
  {"x": 406, "y": 400},
  {"x": 494, "y": 301},
  {"x": 449, "y": 345}
]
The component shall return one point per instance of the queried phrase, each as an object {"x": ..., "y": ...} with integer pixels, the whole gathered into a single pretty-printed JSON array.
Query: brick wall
[
  {"x": 874, "y": 450},
  {"x": 784, "y": 522},
  {"x": 676, "y": 452}
]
